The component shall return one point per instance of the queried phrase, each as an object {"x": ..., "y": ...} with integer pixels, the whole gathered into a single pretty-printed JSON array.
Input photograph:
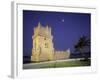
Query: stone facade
[
  {"x": 60, "y": 55},
  {"x": 43, "y": 48}
]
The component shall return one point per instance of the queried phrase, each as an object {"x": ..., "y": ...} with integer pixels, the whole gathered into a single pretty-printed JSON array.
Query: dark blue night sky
[{"x": 66, "y": 28}]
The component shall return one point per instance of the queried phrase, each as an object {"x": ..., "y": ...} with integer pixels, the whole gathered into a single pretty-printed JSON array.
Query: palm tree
[{"x": 81, "y": 44}]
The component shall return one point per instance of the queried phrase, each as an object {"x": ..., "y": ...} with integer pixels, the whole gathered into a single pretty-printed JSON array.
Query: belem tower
[{"x": 43, "y": 46}]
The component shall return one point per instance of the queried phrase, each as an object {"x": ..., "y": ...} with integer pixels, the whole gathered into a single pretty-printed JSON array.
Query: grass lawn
[{"x": 75, "y": 63}]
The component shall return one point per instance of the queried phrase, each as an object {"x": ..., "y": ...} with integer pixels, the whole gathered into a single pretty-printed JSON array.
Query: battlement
[
  {"x": 59, "y": 55},
  {"x": 42, "y": 30}
]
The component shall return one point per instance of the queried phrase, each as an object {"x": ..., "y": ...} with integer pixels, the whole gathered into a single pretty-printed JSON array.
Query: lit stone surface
[{"x": 43, "y": 48}]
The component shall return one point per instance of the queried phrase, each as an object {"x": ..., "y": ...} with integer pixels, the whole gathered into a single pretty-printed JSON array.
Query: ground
[{"x": 56, "y": 64}]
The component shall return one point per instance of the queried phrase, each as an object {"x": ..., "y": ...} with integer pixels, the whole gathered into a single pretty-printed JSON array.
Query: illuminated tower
[{"x": 42, "y": 44}]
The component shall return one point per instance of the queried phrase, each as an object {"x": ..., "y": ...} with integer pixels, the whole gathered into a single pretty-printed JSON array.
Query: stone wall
[
  {"x": 60, "y": 55},
  {"x": 57, "y": 55}
]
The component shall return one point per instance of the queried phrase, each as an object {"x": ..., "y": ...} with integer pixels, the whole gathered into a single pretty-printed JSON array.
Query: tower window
[
  {"x": 44, "y": 38},
  {"x": 46, "y": 45}
]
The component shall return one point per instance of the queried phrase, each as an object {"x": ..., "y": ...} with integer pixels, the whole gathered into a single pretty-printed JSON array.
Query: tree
[{"x": 81, "y": 44}]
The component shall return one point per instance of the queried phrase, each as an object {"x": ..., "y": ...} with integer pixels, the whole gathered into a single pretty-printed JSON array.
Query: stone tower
[{"x": 42, "y": 44}]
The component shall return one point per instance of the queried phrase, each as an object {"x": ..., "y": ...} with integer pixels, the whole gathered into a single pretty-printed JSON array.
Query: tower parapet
[{"x": 42, "y": 31}]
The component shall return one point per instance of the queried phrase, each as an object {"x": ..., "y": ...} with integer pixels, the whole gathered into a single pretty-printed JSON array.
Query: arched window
[
  {"x": 46, "y": 45},
  {"x": 44, "y": 38}
]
